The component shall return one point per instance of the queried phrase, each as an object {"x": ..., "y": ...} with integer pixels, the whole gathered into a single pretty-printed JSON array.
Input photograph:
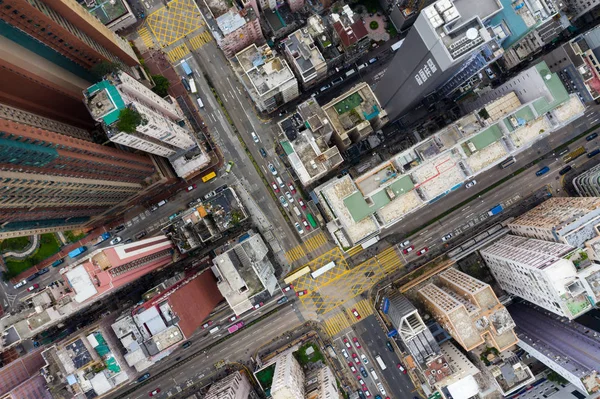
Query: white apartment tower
[
  {"x": 160, "y": 132},
  {"x": 570, "y": 220},
  {"x": 554, "y": 276},
  {"x": 234, "y": 386},
  {"x": 288, "y": 378}
]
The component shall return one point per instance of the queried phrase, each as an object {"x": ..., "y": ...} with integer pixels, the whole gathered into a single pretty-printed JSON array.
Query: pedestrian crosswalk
[
  {"x": 146, "y": 37},
  {"x": 354, "y": 250},
  {"x": 315, "y": 242},
  {"x": 178, "y": 53},
  {"x": 200, "y": 40},
  {"x": 389, "y": 260},
  {"x": 295, "y": 253},
  {"x": 336, "y": 323}
]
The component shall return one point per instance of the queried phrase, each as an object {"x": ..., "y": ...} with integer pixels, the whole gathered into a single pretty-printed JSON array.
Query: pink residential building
[{"x": 295, "y": 5}]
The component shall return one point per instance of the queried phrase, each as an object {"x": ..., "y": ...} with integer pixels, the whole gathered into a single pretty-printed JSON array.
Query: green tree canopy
[
  {"x": 129, "y": 119},
  {"x": 104, "y": 68},
  {"x": 162, "y": 84}
]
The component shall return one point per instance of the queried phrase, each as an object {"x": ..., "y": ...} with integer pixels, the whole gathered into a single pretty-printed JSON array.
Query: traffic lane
[
  {"x": 362, "y": 354},
  {"x": 491, "y": 176},
  {"x": 373, "y": 338},
  {"x": 240, "y": 347}
]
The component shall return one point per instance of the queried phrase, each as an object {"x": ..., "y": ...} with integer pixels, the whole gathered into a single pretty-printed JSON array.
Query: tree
[
  {"x": 104, "y": 68},
  {"x": 129, "y": 120},
  {"x": 161, "y": 85},
  {"x": 555, "y": 377}
]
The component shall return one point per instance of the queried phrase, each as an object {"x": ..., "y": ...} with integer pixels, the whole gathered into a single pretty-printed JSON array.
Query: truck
[
  {"x": 495, "y": 210},
  {"x": 396, "y": 45},
  {"x": 76, "y": 252},
  {"x": 186, "y": 68},
  {"x": 103, "y": 237},
  {"x": 235, "y": 327}
]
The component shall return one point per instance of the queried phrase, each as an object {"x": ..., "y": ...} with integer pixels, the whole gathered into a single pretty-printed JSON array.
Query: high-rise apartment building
[
  {"x": 469, "y": 310},
  {"x": 555, "y": 276},
  {"x": 305, "y": 58},
  {"x": 47, "y": 48},
  {"x": 288, "y": 378},
  {"x": 234, "y": 386},
  {"x": 570, "y": 220},
  {"x": 447, "y": 38},
  {"x": 54, "y": 178},
  {"x": 158, "y": 134},
  {"x": 567, "y": 347}
]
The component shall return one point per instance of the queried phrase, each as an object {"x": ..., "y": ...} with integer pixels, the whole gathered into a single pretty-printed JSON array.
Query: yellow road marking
[
  {"x": 354, "y": 250},
  {"x": 200, "y": 40},
  {"x": 146, "y": 37},
  {"x": 178, "y": 53}
]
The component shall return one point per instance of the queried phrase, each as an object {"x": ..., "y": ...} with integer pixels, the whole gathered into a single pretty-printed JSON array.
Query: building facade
[
  {"x": 234, "y": 386},
  {"x": 267, "y": 77},
  {"x": 321, "y": 384},
  {"x": 47, "y": 49},
  {"x": 55, "y": 178},
  {"x": 288, "y": 378},
  {"x": 569, "y": 220},
  {"x": 469, "y": 310},
  {"x": 545, "y": 273}
]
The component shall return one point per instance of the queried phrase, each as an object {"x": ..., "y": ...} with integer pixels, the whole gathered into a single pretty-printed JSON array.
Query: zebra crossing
[
  {"x": 200, "y": 40},
  {"x": 146, "y": 37},
  {"x": 178, "y": 53},
  {"x": 311, "y": 244}
]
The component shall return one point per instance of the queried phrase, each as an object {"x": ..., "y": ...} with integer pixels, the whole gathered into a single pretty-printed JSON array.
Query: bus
[
  {"x": 322, "y": 270},
  {"x": 507, "y": 162},
  {"x": 311, "y": 220},
  {"x": 186, "y": 68},
  {"x": 235, "y": 327},
  {"x": 576, "y": 153},
  {"x": 192, "y": 86},
  {"x": 380, "y": 362},
  {"x": 296, "y": 275},
  {"x": 208, "y": 177}
]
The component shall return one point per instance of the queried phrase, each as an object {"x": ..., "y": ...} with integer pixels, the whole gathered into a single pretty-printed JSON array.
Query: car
[
  {"x": 352, "y": 368},
  {"x": 292, "y": 188},
  {"x": 33, "y": 287},
  {"x": 298, "y": 228},
  {"x": 140, "y": 235},
  {"x": 119, "y": 228},
  {"x": 282, "y": 300},
  {"x": 233, "y": 318},
  {"x": 356, "y": 314},
  {"x": 263, "y": 152},
  {"x": 356, "y": 343},
  {"x": 591, "y": 136},
  {"x": 401, "y": 368},
  {"x": 128, "y": 241},
  {"x": 209, "y": 195},
  {"x": 347, "y": 343},
  {"x": 405, "y": 244},
  {"x": 275, "y": 187},
  {"x": 406, "y": 250},
  {"x": 389, "y": 346},
  {"x": 143, "y": 377},
  {"x": 254, "y": 137},
  {"x": 422, "y": 251},
  {"x": 20, "y": 284},
  {"x": 116, "y": 240},
  {"x": 272, "y": 169},
  {"x": 155, "y": 392},
  {"x": 190, "y": 188},
  {"x": 364, "y": 358},
  {"x": 302, "y": 204},
  {"x": 289, "y": 196},
  {"x": 361, "y": 382},
  {"x": 447, "y": 237},
  {"x": 367, "y": 393},
  {"x": 363, "y": 371},
  {"x": 207, "y": 324},
  {"x": 33, "y": 277},
  {"x": 356, "y": 358},
  {"x": 186, "y": 344},
  {"x": 43, "y": 271},
  {"x": 288, "y": 288},
  {"x": 471, "y": 184},
  {"x": 490, "y": 73},
  {"x": 283, "y": 201},
  {"x": 306, "y": 225},
  {"x": 301, "y": 293},
  {"x": 258, "y": 305},
  {"x": 345, "y": 353}
]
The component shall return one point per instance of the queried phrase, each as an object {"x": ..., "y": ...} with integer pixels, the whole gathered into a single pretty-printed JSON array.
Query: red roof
[
  {"x": 194, "y": 301},
  {"x": 15, "y": 373},
  {"x": 351, "y": 35}
]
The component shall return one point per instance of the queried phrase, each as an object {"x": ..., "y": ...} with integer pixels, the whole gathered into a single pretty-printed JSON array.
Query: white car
[
  {"x": 20, "y": 284},
  {"x": 255, "y": 137},
  {"x": 471, "y": 184},
  {"x": 116, "y": 240},
  {"x": 272, "y": 169},
  {"x": 283, "y": 201},
  {"x": 364, "y": 359},
  {"x": 289, "y": 196},
  {"x": 345, "y": 353},
  {"x": 298, "y": 228},
  {"x": 405, "y": 244},
  {"x": 233, "y": 318},
  {"x": 447, "y": 237}
]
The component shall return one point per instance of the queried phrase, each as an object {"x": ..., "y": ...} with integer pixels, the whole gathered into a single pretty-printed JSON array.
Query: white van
[
  {"x": 214, "y": 330},
  {"x": 380, "y": 387},
  {"x": 297, "y": 211},
  {"x": 161, "y": 203},
  {"x": 374, "y": 374},
  {"x": 280, "y": 182},
  {"x": 361, "y": 66},
  {"x": 200, "y": 103}
]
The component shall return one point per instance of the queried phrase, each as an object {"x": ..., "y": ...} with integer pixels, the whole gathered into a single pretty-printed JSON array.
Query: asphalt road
[{"x": 463, "y": 220}]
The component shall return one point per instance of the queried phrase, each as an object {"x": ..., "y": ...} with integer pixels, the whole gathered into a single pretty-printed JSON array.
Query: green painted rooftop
[
  {"x": 348, "y": 103},
  {"x": 487, "y": 137},
  {"x": 116, "y": 99},
  {"x": 287, "y": 147},
  {"x": 557, "y": 90}
]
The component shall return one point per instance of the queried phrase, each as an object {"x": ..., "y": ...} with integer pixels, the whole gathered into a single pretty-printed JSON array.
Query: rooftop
[
  {"x": 231, "y": 21},
  {"x": 352, "y": 34},
  {"x": 353, "y": 109},
  {"x": 559, "y": 212},
  {"x": 106, "y": 11},
  {"x": 307, "y": 57},
  {"x": 534, "y": 253},
  {"x": 263, "y": 70}
]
